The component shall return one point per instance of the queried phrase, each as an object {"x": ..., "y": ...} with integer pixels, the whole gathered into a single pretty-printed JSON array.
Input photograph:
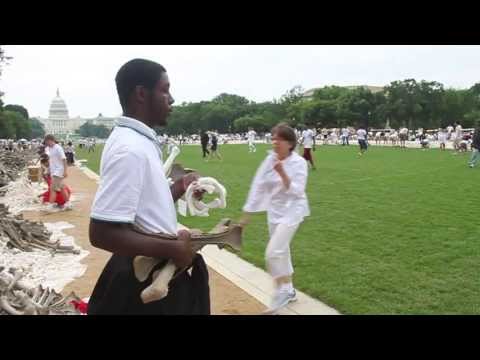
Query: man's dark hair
[
  {"x": 136, "y": 72},
  {"x": 285, "y": 132}
]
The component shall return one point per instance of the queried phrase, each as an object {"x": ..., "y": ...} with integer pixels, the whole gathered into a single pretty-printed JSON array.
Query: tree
[
  {"x": 90, "y": 130},
  {"x": 37, "y": 129},
  {"x": 7, "y": 127},
  {"x": 18, "y": 108},
  {"x": 14, "y": 125}
]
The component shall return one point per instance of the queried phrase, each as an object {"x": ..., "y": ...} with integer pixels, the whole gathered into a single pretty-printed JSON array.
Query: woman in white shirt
[{"x": 279, "y": 189}]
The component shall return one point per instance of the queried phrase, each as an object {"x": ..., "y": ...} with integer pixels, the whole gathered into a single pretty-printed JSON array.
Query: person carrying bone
[
  {"x": 134, "y": 195},
  {"x": 279, "y": 189}
]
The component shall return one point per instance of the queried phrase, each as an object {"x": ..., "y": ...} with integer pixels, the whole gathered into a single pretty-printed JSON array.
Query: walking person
[
  {"x": 362, "y": 140},
  {"x": 57, "y": 170},
  {"x": 251, "y": 140},
  {"x": 214, "y": 147},
  {"x": 308, "y": 141},
  {"x": 475, "y": 148},
  {"x": 442, "y": 138},
  {"x": 279, "y": 189},
  {"x": 204, "y": 139},
  {"x": 458, "y": 137},
  {"x": 70, "y": 154}
]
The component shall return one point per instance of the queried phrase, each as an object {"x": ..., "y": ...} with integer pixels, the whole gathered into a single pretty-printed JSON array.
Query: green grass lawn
[{"x": 392, "y": 232}]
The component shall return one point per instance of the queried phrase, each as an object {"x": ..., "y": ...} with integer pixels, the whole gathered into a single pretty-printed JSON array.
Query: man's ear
[{"x": 140, "y": 94}]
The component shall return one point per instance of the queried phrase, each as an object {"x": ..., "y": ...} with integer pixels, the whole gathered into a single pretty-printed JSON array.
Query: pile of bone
[
  {"x": 12, "y": 163},
  {"x": 17, "y": 298},
  {"x": 27, "y": 235},
  {"x": 23, "y": 195}
]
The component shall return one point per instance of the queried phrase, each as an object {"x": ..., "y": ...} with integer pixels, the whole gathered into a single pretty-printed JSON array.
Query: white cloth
[
  {"x": 361, "y": 134},
  {"x": 277, "y": 254},
  {"x": 268, "y": 193},
  {"x": 307, "y": 136},
  {"x": 56, "y": 156},
  {"x": 133, "y": 186}
]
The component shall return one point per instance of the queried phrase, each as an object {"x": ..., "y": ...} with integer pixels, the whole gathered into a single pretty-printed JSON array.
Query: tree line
[
  {"x": 16, "y": 124},
  {"x": 410, "y": 103}
]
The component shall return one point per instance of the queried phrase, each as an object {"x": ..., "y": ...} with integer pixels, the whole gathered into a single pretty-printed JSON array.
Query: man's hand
[{"x": 185, "y": 253}]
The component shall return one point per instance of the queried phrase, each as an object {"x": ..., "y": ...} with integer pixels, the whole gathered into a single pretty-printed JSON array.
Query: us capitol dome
[{"x": 59, "y": 123}]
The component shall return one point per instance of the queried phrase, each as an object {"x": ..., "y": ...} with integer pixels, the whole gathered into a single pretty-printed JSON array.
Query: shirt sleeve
[
  {"x": 60, "y": 152},
  {"x": 120, "y": 189},
  {"x": 298, "y": 179},
  {"x": 257, "y": 196}
]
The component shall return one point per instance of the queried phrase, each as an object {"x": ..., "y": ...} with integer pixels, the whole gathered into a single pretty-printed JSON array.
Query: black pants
[
  {"x": 205, "y": 150},
  {"x": 117, "y": 291}
]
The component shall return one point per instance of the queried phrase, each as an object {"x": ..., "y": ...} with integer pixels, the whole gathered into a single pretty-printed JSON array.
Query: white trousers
[
  {"x": 251, "y": 146},
  {"x": 277, "y": 255}
]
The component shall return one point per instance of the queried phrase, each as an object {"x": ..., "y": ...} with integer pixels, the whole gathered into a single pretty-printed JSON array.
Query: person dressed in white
[
  {"x": 308, "y": 141},
  {"x": 251, "y": 140},
  {"x": 362, "y": 140},
  {"x": 58, "y": 171},
  {"x": 458, "y": 137},
  {"x": 450, "y": 129},
  {"x": 134, "y": 211},
  {"x": 279, "y": 189},
  {"x": 403, "y": 134},
  {"x": 442, "y": 138},
  {"x": 345, "y": 135}
]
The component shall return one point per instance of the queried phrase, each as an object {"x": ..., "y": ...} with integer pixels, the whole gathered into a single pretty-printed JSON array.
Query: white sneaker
[
  {"x": 281, "y": 299},
  {"x": 50, "y": 208},
  {"x": 67, "y": 206}
]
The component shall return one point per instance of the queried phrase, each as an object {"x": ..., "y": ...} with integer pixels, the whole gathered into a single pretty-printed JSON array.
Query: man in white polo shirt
[
  {"x": 134, "y": 200},
  {"x": 58, "y": 171}
]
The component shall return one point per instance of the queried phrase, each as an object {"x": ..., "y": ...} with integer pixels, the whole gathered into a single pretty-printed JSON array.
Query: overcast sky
[{"x": 85, "y": 74}]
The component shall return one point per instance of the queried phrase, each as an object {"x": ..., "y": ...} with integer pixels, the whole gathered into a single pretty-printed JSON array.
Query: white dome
[{"x": 58, "y": 108}]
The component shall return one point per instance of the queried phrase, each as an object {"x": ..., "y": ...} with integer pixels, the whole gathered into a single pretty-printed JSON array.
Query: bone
[
  {"x": 32, "y": 301},
  {"x": 159, "y": 287},
  {"x": 223, "y": 234}
]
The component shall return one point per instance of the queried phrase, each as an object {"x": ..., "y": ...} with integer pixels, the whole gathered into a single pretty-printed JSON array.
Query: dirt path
[{"x": 226, "y": 298}]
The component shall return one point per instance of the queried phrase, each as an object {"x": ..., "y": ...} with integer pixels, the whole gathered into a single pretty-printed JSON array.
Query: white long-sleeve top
[{"x": 268, "y": 193}]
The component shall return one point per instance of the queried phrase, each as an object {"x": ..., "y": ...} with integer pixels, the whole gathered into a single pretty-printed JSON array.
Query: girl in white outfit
[{"x": 279, "y": 189}]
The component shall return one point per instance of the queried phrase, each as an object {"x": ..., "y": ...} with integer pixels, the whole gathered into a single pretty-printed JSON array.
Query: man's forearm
[
  {"x": 121, "y": 239},
  {"x": 177, "y": 190}
]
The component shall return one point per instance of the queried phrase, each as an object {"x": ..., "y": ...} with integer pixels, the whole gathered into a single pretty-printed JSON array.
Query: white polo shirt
[
  {"x": 133, "y": 187},
  {"x": 56, "y": 156},
  {"x": 307, "y": 136}
]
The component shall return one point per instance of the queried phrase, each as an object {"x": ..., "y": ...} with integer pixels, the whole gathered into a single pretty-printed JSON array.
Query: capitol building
[{"x": 59, "y": 123}]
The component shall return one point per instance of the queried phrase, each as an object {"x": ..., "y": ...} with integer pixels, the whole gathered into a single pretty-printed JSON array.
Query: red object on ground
[
  {"x": 81, "y": 306},
  {"x": 59, "y": 199}
]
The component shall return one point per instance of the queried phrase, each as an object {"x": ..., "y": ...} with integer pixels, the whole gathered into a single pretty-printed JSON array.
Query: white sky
[{"x": 85, "y": 74}]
